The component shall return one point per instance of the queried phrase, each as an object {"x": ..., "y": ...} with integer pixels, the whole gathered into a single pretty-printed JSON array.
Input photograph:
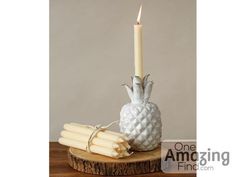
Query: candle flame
[{"x": 139, "y": 15}]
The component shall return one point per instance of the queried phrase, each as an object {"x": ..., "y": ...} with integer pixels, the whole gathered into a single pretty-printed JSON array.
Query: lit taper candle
[{"x": 138, "y": 48}]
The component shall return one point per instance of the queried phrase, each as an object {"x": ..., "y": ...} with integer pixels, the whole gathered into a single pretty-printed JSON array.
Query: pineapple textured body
[
  {"x": 142, "y": 124},
  {"x": 140, "y": 119}
]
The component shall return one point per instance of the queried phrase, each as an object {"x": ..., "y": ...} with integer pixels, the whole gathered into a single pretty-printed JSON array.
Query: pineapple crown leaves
[{"x": 140, "y": 91}]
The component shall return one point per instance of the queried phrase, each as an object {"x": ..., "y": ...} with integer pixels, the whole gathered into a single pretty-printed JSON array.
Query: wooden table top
[{"x": 60, "y": 168}]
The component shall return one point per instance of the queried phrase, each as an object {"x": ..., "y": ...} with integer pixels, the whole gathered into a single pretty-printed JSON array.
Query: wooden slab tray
[{"x": 137, "y": 163}]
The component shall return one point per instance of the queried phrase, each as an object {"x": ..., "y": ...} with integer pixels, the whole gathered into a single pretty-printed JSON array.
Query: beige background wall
[{"x": 91, "y": 55}]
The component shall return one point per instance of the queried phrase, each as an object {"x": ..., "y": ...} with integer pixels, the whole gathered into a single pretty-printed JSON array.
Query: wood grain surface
[
  {"x": 137, "y": 163},
  {"x": 59, "y": 166}
]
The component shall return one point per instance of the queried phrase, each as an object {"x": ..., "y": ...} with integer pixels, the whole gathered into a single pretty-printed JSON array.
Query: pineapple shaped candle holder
[{"x": 140, "y": 119}]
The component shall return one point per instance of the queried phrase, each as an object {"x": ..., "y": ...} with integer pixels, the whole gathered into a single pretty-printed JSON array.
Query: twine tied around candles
[{"x": 97, "y": 129}]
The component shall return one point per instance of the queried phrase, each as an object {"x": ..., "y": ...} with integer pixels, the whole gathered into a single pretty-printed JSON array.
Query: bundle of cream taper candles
[{"x": 95, "y": 140}]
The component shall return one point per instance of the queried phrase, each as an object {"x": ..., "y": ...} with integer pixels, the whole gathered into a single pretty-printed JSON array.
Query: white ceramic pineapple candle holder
[{"x": 140, "y": 119}]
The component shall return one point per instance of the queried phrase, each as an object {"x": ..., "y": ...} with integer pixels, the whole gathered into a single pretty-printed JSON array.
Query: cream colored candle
[
  {"x": 122, "y": 147},
  {"x": 126, "y": 144},
  {"x": 118, "y": 134},
  {"x": 124, "y": 154},
  {"x": 138, "y": 49},
  {"x": 106, "y": 131},
  {"x": 94, "y": 148},
  {"x": 88, "y": 131},
  {"x": 85, "y": 138}
]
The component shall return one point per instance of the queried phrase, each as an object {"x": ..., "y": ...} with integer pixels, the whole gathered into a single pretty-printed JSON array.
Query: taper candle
[{"x": 138, "y": 49}]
